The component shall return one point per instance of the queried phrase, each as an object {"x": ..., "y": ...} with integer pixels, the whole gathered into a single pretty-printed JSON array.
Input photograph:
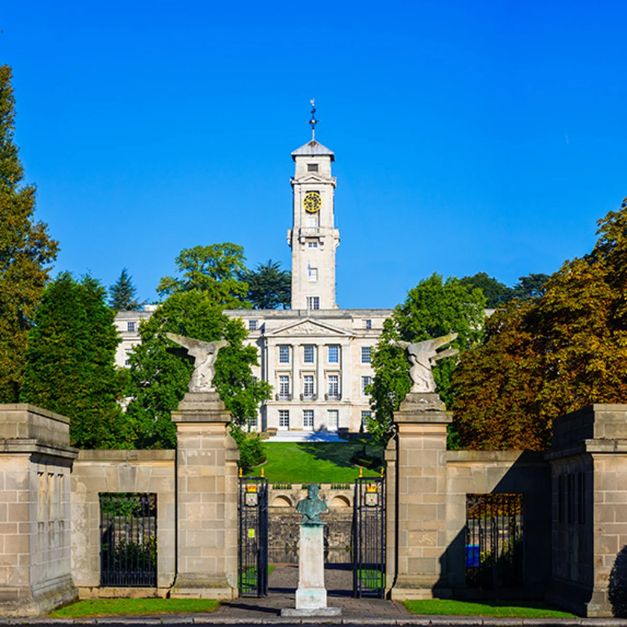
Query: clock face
[{"x": 312, "y": 202}]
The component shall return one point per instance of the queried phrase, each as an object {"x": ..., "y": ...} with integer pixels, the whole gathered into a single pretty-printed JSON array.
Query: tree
[
  {"x": 552, "y": 355},
  {"x": 493, "y": 380},
  {"x": 269, "y": 287},
  {"x": 25, "y": 252},
  {"x": 433, "y": 308},
  {"x": 160, "y": 373},
  {"x": 530, "y": 286},
  {"x": 216, "y": 270},
  {"x": 70, "y": 361},
  {"x": 495, "y": 292},
  {"x": 122, "y": 294}
]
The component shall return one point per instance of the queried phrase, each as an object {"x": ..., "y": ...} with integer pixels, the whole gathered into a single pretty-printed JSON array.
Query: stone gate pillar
[
  {"x": 207, "y": 489},
  {"x": 419, "y": 501},
  {"x": 35, "y": 464}
]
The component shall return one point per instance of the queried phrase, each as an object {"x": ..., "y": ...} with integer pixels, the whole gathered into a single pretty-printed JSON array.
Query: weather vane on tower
[{"x": 313, "y": 120}]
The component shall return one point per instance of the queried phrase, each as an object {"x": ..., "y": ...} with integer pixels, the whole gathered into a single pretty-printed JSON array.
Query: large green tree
[
  {"x": 70, "y": 361},
  {"x": 548, "y": 356},
  {"x": 269, "y": 286},
  {"x": 160, "y": 373},
  {"x": 216, "y": 270},
  {"x": 433, "y": 308},
  {"x": 495, "y": 292},
  {"x": 123, "y": 294},
  {"x": 25, "y": 252}
]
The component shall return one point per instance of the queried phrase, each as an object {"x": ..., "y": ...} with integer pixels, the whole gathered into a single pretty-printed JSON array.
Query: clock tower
[{"x": 313, "y": 237}]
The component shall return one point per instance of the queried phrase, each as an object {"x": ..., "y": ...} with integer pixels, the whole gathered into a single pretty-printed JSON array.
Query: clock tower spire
[{"x": 313, "y": 237}]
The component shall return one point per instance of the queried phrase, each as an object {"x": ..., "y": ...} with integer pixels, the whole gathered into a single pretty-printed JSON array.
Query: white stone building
[{"x": 315, "y": 355}]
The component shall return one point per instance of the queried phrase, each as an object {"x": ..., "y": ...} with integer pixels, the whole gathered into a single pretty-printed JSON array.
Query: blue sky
[{"x": 469, "y": 136}]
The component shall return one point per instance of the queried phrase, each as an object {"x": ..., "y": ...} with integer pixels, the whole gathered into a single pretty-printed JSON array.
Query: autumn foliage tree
[
  {"x": 550, "y": 356},
  {"x": 25, "y": 252}
]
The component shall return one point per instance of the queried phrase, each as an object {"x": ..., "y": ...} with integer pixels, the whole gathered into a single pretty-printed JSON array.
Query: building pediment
[{"x": 309, "y": 328}]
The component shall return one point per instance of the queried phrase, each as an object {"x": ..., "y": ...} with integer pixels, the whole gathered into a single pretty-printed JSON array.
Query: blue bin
[{"x": 473, "y": 559}]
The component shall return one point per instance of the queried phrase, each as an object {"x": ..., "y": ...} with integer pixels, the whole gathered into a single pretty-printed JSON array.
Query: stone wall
[
  {"x": 589, "y": 493},
  {"x": 283, "y": 522},
  {"x": 494, "y": 472},
  {"x": 121, "y": 471},
  {"x": 35, "y": 464}
]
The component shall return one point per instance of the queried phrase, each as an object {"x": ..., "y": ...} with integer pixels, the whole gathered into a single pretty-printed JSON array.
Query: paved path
[{"x": 282, "y": 585}]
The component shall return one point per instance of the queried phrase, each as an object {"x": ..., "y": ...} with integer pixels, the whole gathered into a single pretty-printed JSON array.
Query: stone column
[
  {"x": 35, "y": 549},
  {"x": 207, "y": 491},
  {"x": 420, "y": 496}
]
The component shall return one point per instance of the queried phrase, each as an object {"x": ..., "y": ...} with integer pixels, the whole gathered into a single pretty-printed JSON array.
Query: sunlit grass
[{"x": 134, "y": 607}]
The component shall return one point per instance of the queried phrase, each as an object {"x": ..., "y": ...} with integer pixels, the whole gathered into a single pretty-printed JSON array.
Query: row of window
[
  {"x": 332, "y": 419},
  {"x": 333, "y": 354},
  {"x": 309, "y": 386}
]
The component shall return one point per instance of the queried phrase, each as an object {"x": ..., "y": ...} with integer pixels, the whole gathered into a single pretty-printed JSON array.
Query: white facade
[
  {"x": 318, "y": 363},
  {"x": 315, "y": 356}
]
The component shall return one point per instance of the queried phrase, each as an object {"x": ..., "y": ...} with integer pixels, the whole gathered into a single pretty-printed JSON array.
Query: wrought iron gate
[
  {"x": 128, "y": 539},
  {"x": 494, "y": 540},
  {"x": 369, "y": 537},
  {"x": 253, "y": 536}
]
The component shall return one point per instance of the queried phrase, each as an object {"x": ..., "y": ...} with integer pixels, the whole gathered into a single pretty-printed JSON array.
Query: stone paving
[{"x": 282, "y": 585}]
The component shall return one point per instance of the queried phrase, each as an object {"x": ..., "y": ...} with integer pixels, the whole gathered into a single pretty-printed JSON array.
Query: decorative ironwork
[
  {"x": 494, "y": 540},
  {"x": 253, "y": 536},
  {"x": 369, "y": 537},
  {"x": 128, "y": 539}
]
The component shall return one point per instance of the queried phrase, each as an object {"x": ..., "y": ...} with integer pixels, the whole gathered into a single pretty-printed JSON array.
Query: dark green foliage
[
  {"x": 25, "y": 252},
  {"x": 70, "y": 362},
  {"x": 160, "y": 372},
  {"x": 433, "y": 308},
  {"x": 617, "y": 591},
  {"x": 251, "y": 451},
  {"x": 216, "y": 269},
  {"x": 269, "y": 287},
  {"x": 123, "y": 294},
  {"x": 530, "y": 286},
  {"x": 495, "y": 292}
]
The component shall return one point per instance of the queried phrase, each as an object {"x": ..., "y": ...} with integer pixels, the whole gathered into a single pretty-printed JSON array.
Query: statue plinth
[
  {"x": 311, "y": 595},
  {"x": 207, "y": 489},
  {"x": 422, "y": 407},
  {"x": 201, "y": 407}
]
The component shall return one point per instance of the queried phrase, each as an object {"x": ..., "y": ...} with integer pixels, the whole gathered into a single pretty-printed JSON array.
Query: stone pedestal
[
  {"x": 420, "y": 496},
  {"x": 207, "y": 489},
  {"x": 311, "y": 596}
]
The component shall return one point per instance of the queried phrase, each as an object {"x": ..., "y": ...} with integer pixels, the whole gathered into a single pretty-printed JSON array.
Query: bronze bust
[{"x": 312, "y": 507}]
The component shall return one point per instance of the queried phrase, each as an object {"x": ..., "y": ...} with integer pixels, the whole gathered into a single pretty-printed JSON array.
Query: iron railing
[
  {"x": 253, "y": 537},
  {"x": 128, "y": 539},
  {"x": 369, "y": 537},
  {"x": 494, "y": 540}
]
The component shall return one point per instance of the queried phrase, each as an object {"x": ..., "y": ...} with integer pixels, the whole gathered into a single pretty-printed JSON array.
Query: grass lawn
[
  {"x": 133, "y": 607},
  {"x": 450, "y": 607},
  {"x": 322, "y": 462}
]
